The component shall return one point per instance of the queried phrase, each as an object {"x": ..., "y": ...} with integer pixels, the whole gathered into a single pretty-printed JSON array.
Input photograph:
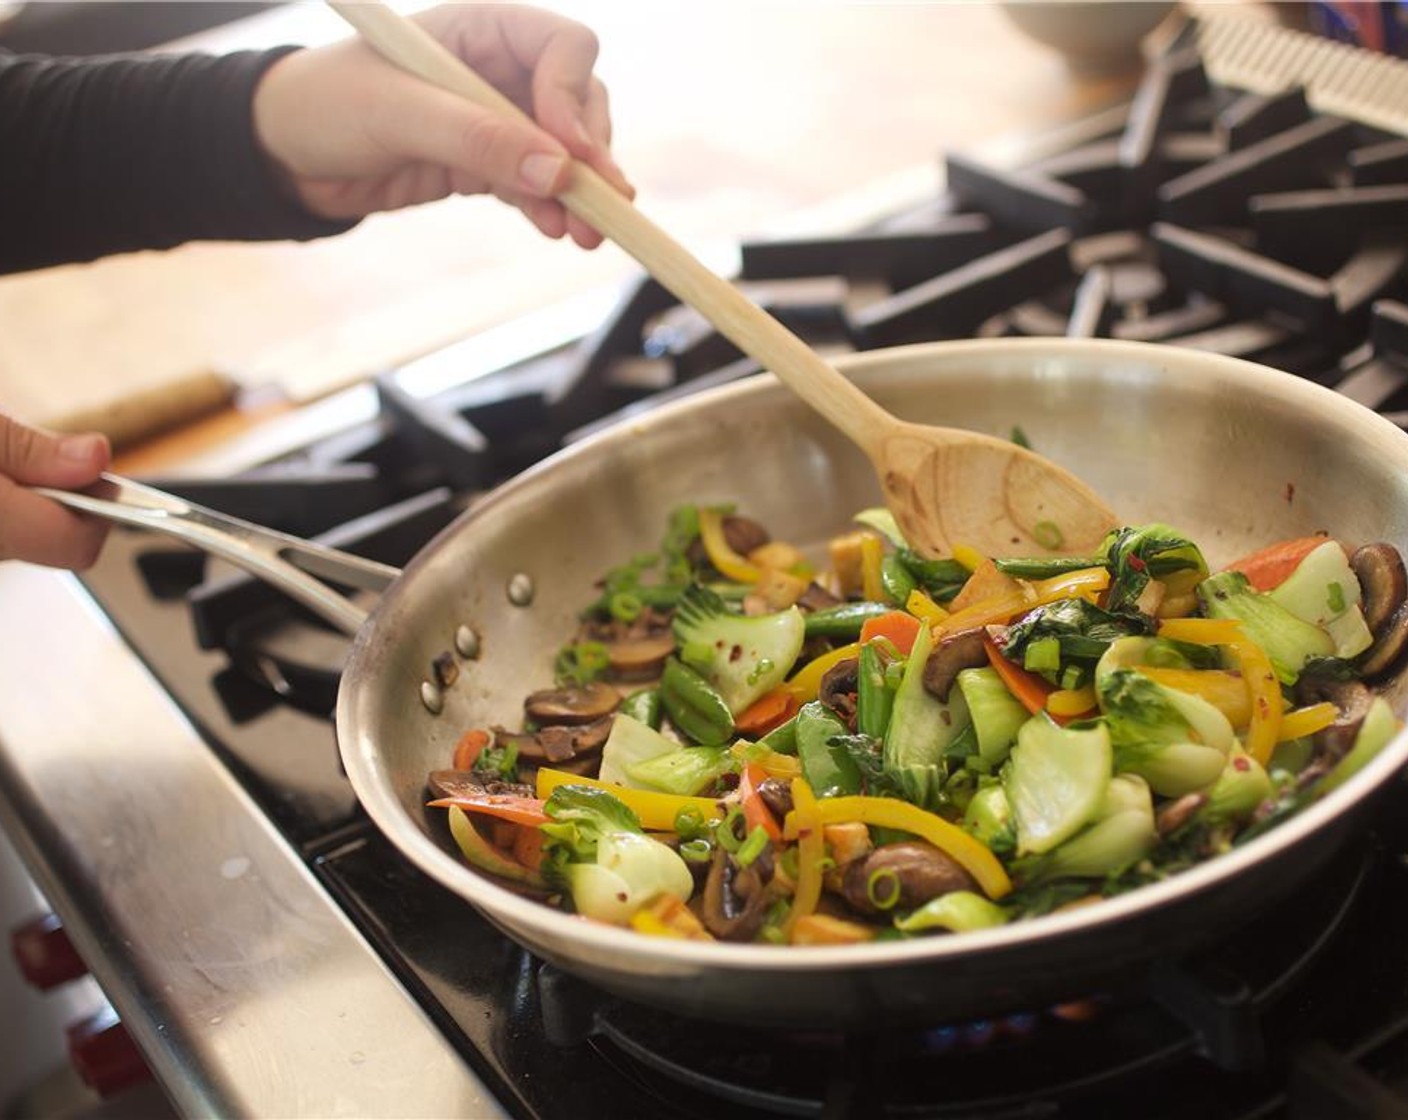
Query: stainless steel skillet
[{"x": 1234, "y": 454}]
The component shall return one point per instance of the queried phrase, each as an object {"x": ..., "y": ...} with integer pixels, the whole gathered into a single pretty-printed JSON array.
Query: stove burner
[{"x": 1217, "y": 1006}]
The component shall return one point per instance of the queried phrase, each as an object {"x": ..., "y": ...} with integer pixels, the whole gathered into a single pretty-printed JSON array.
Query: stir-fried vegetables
[{"x": 746, "y": 747}]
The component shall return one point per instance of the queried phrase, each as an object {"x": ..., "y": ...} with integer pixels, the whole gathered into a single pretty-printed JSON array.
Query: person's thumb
[
  {"x": 35, "y": 458},
  {"x": 510, "y": 157}
]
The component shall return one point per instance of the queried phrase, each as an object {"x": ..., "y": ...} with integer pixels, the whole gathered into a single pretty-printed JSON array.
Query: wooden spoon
[{"x": 945, "y": 486}]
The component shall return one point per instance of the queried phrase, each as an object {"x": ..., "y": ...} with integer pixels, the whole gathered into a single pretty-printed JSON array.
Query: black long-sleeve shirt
[{"x": 108, "y": 155}]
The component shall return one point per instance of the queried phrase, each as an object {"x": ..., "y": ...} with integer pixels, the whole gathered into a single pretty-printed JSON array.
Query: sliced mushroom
[
  {"x": 964, "y": 650},
  {"x": 572, "y": 705},
  {"x": 838, "y": 688},
  {"x": 473, "y": 783},
  {"x": 1388, "y": 646},
  {"x": 560, "y": 743},
  {"x": 777, "y": 796},
  {"x": 639, "y": 658},
  {"x": 817, "y": 598},
  {"x": 919, "y": 870},
  {"x": 1351, "y": 700},
  {"x": 735, "y": 899},
  {"x": 1379, "y": 569}
]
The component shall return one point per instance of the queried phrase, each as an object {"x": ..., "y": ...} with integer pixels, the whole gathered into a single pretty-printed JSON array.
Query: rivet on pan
[
  {"x": 520, "y": 589},
  {"x": 432, "y": 698},
  {"x": 444, "y": 669},
  {"x": 467, "y": 642}
]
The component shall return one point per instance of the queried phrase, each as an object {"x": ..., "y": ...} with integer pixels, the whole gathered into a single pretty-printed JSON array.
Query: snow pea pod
[
  {"x": 829, "y": 768},
  {"x": 693, "y": 706}
]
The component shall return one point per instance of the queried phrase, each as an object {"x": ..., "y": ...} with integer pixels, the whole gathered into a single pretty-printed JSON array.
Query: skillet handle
[{"x": 292, "y": 565}]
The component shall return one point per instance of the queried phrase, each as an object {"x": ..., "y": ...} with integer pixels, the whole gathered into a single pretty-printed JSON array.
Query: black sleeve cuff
[{"x": 108, "y": 155}]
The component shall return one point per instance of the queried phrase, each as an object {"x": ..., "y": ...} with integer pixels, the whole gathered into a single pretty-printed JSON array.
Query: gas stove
[{"x": 178, "y": 793}]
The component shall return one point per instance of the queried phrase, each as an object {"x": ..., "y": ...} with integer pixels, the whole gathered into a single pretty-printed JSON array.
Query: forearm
[{"x": 100, "y": 156}]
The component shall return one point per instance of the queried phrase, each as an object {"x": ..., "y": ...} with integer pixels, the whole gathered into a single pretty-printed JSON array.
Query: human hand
[
  {"x": 354, "y": 134},
  {"x": 37, "y": 529}
]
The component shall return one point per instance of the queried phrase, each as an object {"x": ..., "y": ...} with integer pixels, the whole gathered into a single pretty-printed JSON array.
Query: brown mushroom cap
[
  {"x": 583, "y": 704},
  {"x": 473, "y": 783},
  {"x": 735, "y": 899},
  {"x": 1351, "y": 700},
  {"x": 560, "y": 743},
  {"x": 964, "y": 650},
  {"x": 837, "y": 690},
  {"x": 1388, "y": 647},
  {"x": 920, "y": 871},
  {"x": 1379, "y": 569},
  {"x": 639, "y": 658}
]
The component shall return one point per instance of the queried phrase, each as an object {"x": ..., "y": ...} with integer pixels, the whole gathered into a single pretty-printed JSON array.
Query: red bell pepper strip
[
  {"x": 520, "y": 810},
  {"x": 1269, "y": 567},
  {"x": 756, "y": 813},
  {"x": 468, "y": 749},
  {"x": 900, "y": 627},
  {"x": 772, "y": 709},
  {"x": 1026, "y": 686}
]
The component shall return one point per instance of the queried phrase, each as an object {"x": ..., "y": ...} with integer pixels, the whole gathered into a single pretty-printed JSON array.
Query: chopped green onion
[
  {"x": 1019, "y": 437},
  {"x": 1336, "y": 598},
  {"x": 1048, "y": 534},
  {"x": 726, "y": 831},
  {"x": 625, "y": 606},
  {"x": 883, "y": 888},
  {"x": 697, "y": 850},
  {"x": 689, "y": 823},
  {"x": 753, "y": 847},
  {"x": 581, "y": 663},
  {"x": 788, "y": 863},
  {"x": 1043, "y": 655}
]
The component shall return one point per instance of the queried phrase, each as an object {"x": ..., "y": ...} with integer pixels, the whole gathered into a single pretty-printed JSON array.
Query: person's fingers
[
  {"x": 497, "y": 153},
  {"x": 35, "y": 528},
  {"x": 43, "y": 532},
  {"x": 37, "y": 458}
]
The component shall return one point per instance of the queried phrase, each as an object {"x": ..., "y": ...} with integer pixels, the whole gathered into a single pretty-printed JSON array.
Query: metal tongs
[{"x": 291, "y": 564}]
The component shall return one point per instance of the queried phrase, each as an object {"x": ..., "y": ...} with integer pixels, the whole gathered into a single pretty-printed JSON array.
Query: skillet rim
[{"x": 521, "y": 917}]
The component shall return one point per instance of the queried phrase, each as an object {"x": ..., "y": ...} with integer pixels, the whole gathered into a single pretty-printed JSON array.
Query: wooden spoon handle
[{"x": 408, "y": 45}]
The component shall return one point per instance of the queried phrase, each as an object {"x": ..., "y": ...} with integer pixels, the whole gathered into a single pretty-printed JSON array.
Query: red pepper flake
[
  {"x": 1241, "y": 763},
  {"x": 1137, "y": 564},
  {"x": 1290, "y": 492},
  {"x": 735, "y": 653}
]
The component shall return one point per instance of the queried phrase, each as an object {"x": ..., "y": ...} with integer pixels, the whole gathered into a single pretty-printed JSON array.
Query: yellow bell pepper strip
[
  {"x": 890, "y": 812},
  {"x": 924, "y": 608},
  {"x": 872, "y": 555},
  {"x": 1263, "y": 689},
  {"x": 667, "y": 916},
  {"x": 807, "y": 682},
  {"x": 657, "y": 811},
  {"x": 1003, "y": 607},
  {"x": 1225, "y": 691},
  {"x": 804, "y": 825},
  {"x": 773, "y": 764},
  {"x": 822, "y": 929},
  {"x": 716, "y": 547},
  {"x": 968, "y": 556},
  {"x": 1306, "y": 721},
  {"x": 1067, "y": 703}
]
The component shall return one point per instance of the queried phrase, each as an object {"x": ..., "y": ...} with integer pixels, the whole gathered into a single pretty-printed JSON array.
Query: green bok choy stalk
[
  {"x": 1176, "y": 741},
  {"x": 741, "y": 657},
  {"x": 595, "y": 847}
]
